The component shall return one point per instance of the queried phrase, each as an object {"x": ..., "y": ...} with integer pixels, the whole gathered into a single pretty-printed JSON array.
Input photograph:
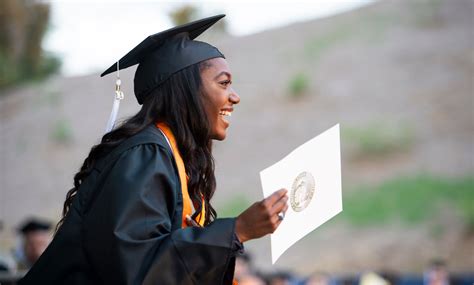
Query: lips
[{"x": 226, "y": 112}]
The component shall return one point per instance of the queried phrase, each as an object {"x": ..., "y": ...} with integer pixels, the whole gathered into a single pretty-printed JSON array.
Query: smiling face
[{"x": 219, "y": 96}]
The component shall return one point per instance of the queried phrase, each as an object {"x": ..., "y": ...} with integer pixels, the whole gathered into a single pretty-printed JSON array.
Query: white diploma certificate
[{"x": 312, "y": 175}]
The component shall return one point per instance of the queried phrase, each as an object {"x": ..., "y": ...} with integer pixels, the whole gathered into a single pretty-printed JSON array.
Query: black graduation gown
[{"x": 124, "y": 226}]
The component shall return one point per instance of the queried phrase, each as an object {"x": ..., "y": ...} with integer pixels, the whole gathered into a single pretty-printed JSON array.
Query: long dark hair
[{"x": 178, "y": 103}]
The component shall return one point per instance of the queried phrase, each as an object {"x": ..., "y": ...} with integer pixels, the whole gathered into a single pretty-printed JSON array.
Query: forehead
[{"x": 215, "y": 67}]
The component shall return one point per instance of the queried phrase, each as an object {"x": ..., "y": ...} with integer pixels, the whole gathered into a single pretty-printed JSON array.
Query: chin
[{"x": 219, "y": 136}]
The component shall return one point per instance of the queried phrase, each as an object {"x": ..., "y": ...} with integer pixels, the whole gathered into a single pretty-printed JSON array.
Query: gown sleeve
[{"x": 128, "y": 231}]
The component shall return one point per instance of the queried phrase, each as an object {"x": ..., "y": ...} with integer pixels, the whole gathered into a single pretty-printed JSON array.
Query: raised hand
[{"x": 262, "y": 217}]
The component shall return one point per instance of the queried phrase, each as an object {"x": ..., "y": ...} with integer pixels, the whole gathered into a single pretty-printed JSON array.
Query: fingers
[
  {"x": 277, "y": 195},
  {"x": 261, "y": 218},
  {"x": 276, "y": 221},
  {"x": 282, "y": 210},
  {"x": 285, "y": 208},
  {"x": 280, "y": 206}
]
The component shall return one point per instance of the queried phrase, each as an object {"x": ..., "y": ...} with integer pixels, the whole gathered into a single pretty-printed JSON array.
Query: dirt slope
[{"x": 407, "y": 63}]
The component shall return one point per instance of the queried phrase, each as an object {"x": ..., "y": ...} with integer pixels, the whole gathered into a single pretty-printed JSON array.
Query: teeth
[{"x": 225, "y": 113}]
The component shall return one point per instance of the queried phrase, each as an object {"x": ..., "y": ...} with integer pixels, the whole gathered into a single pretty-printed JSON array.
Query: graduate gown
[{"x": 125, "y": 226}]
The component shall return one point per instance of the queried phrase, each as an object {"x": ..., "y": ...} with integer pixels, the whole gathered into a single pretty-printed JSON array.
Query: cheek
[
  {"x": 213, "y": 104},
  {"x": 212, "y": 114},
  {"x": 212, "y": 111}
]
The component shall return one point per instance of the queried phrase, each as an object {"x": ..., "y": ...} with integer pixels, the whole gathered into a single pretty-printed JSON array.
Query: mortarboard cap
[
  {"x": 33, "y": 224},
  {"x": 165, "y": 53}
]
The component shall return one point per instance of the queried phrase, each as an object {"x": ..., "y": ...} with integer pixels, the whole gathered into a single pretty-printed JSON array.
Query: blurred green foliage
[
  {"x": 23, "y": 24},
  {"x": 371, "y": 29},
  {"x": 188, "y": 12},
  {"x": 233, "y": 207},
  {"x": 298, "y": 85},
  {"x": 317, "y": 46},
  {"x": 411, "y": 199},
  {"x": 48, "y": 95},
  {"x": 62, "y": 132},
  {"x": 377, "y": 138},
  {"x": 183, "y": 14},
  {"x": 427, "y": 13},
  {"x": 53, "y": 98}
]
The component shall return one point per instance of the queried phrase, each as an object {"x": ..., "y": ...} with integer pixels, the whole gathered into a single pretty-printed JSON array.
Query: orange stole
[{"x": 187, "y": 208}]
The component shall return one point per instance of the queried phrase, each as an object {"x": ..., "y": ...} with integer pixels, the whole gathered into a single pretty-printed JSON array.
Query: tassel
[
  {"x": 113, "y": 115},
  {"x": 115, "y": 108}
]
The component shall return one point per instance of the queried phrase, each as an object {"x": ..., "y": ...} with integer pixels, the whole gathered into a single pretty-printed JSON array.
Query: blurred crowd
[
  {"x": 35, "y": 235},
  {"x": 436, "y": 273}
]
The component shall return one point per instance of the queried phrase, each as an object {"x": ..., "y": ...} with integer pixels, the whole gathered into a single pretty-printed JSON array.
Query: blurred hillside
[
  {"x": 23, "y": 25},
  {"x": 397, "y": 76}
]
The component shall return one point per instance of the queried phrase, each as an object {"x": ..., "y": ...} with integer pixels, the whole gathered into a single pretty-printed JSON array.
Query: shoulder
[
  {"x": 148, "y": 141},
  {"x": 134, "y": 169},
  {"x": 134, "y": 172},
  {"x": 149, "y": 135}
]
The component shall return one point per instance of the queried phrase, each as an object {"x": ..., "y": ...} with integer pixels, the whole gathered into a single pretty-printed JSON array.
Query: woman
[{"x": 129, "y": 219}]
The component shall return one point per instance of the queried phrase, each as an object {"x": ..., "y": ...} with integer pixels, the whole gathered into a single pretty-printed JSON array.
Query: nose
[{"x": 234, "y": 97}]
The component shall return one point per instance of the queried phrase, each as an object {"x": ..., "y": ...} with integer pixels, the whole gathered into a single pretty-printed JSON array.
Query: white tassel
[
  {"x": 115, "y": 108},
  {"x": 113, "y": 115}
]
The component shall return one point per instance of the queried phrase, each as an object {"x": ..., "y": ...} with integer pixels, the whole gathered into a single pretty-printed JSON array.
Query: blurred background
[{"x": 398, "y": 76}]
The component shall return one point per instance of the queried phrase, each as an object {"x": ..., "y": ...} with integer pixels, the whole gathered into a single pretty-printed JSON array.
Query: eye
[{"x": 225, "y": 83}]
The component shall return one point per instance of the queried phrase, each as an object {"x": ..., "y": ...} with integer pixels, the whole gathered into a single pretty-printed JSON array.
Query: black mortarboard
[
  {"x": 34, "y": 224},
  {"x": 165, "y": 53}
]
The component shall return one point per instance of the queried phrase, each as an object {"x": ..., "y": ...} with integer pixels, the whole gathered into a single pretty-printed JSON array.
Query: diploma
[{"x": 312, "y": 175}]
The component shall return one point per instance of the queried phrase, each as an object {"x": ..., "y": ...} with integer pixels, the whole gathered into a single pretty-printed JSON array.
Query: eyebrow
[{"x": 223, "y": 72}]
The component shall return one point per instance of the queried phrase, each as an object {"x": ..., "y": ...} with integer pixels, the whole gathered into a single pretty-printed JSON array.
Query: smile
[{"x": 225, "y": 113}]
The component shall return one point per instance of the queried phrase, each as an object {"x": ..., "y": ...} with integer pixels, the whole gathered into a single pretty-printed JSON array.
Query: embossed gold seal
[{"x": 302, "y": 191}]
